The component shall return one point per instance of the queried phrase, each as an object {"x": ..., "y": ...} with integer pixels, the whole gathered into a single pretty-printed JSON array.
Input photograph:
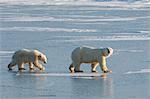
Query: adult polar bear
[
  {"x": 94, "y": 56},
  {"x": 31, "y": 57}
]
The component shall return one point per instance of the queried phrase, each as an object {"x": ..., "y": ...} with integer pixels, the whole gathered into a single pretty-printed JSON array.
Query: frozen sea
[{"x": 56, "y": 27}]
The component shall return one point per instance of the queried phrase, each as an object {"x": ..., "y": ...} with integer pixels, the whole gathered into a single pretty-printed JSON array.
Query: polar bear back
[
  {"x": 86, "y": 54},
  {"x": 25, "y": 55}
]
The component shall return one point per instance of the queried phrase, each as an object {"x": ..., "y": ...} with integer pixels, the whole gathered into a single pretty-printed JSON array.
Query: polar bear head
[
  {"x": 107, "y": 51},
  {"x": 42, "y": 58}
]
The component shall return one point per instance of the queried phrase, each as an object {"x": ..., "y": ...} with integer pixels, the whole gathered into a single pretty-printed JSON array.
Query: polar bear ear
[{"x": 108, "y": 50}]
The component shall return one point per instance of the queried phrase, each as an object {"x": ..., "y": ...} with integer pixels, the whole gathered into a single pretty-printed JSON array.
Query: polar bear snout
[{"x": 45, "y": 62}]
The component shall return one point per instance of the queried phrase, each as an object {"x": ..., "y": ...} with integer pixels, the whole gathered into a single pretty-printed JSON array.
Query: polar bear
[
  {"x": 31, "y": 57},
  {"x": 94, "y": 56}
]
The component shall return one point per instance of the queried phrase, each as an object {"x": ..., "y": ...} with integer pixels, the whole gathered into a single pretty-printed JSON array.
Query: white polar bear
[
  {"x": 31, "y": 57},
  {"x": 94, "y": 56}
]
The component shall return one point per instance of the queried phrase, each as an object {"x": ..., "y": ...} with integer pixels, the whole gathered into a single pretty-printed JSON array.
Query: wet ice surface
[{"x": 56, "y": 29}]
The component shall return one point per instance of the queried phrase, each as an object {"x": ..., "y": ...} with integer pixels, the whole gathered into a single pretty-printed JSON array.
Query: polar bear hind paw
[
  {"x": 22, "y": 69},
  {"x": 31, "y": 69},
  {"x": 78, "y": 71},
  {"x": 10, "y": 69}
]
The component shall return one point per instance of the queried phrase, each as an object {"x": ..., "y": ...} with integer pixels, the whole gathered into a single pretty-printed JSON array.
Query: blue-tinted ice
[{"x": 57, "y": 27}]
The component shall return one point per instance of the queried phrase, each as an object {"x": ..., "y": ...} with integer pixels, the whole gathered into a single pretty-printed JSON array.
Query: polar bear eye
[{"x": 39, "y": 56}]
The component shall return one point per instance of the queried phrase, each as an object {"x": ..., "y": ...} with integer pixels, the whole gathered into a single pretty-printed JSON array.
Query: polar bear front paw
[
  {"x": 42, "y": 69},
  {"x": 94, "y": 71},
  {"x": 107, "y": 71}
]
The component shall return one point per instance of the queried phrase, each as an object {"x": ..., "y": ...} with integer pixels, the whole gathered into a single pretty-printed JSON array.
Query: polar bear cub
[
  {"x": 94, "y": 56},
  {"x": 31, "y": 57}
]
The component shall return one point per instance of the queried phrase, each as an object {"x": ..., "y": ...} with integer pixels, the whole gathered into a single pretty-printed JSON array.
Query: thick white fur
[
  {"x": 31, "y": 57},
  {"x": 94, "y": 56}
]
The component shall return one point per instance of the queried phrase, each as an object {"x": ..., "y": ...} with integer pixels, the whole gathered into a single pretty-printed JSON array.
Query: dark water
[{"x": 56, "y": 29}]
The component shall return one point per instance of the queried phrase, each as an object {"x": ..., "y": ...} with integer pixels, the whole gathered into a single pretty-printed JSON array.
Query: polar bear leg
[
  {"x": 21, "y": 66},
  {"x": 105, "y": 69},
  {"x": 93, "y": 67},
  {"x": 77, "y": 67},
  {"x": 39, "y": 66},
  {"x": 31, "y": 67}
]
